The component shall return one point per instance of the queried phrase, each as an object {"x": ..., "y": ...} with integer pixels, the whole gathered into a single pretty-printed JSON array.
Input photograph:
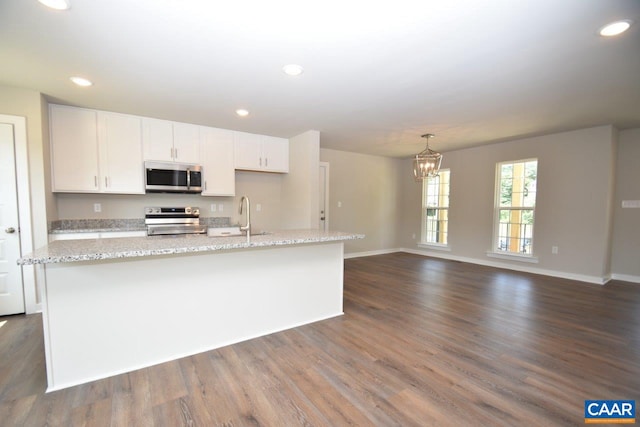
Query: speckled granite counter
[
  {"x": 64, "y": 226},
  {"x": 129, "y": 247}
]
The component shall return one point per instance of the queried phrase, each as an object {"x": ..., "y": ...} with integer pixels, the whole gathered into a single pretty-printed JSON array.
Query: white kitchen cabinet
[
  {"x": 167, "y": 141},
  {"x": 275, "y": 153},
  {"x": 120, "y": 153},
  {"x": 95, "y": 151},
  {"x": 74, "y": 149},
  {"x": 186, "y": 143},
  {"x": 261, "y": 153},
  {"x": 216, "y": 156}
]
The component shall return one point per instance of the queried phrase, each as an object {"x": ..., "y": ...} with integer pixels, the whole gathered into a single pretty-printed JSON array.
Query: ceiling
[{"x": 377, "y": 74}]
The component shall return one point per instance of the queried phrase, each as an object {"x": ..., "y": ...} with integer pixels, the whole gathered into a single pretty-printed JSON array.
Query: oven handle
[{"x": 188, "y": 179}]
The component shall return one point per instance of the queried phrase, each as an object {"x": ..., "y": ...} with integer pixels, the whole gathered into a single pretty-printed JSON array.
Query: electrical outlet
[
  {"x": 220, "y": 207},
  {"x": 97, "y": 207},
  {"x": 413, "y": 236},
  {"x": 554, "y": 250},
  {"x": 213, "y": 207},
  {"x": 258, "y": 207},
  {"x": 339, "y": 204}
]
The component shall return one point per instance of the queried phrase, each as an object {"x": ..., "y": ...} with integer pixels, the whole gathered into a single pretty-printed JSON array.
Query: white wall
[
  {"x": 368, "y": 189},
  {"x": 575, "y": 182},
  {"x": 300, "y": 187}
]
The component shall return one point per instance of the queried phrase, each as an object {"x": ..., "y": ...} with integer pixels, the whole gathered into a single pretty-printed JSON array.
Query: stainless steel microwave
[{"x": 169, "y": 177}]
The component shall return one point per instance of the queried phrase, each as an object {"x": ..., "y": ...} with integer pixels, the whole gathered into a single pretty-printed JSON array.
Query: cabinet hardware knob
[{"x": 10, "y": 230}]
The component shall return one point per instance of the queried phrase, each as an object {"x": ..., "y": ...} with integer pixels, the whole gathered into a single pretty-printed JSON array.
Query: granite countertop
[
  {"x": 128, "y": 247},
  {"x": 65, "y": 226}
]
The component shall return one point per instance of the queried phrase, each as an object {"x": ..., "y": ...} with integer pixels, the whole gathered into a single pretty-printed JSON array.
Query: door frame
[
  {"x": 24, "y": 207},
  {"x": 326, "y": 165}
]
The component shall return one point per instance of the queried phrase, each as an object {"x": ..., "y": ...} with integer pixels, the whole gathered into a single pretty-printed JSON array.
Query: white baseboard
[
  {"x": 523, "y": 268},
  {"x": 626, "y": 277},
  {"x": 371, "y": 253}
]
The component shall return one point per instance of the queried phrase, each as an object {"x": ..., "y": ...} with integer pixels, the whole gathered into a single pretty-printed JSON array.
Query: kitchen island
[{"x": 115, "y": 305}]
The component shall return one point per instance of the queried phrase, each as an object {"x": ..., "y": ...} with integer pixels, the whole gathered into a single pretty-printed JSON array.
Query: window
[
  {"x": 435, "y": 208},
  {"x": 515, "y": 206}
]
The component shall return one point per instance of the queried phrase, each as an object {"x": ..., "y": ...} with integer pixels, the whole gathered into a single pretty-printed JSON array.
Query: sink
[
  {"x": 224, "y": 231},
  {"x": 232, "y": 232}
]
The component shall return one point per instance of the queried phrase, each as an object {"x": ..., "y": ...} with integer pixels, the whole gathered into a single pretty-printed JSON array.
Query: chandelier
[{"x": 426, "y": 164}]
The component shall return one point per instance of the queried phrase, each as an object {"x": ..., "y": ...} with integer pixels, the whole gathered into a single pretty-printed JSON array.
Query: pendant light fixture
[{"x": 426, "y": 164}]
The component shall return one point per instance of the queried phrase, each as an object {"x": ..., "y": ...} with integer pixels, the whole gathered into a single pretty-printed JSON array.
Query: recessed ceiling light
[
  {"x": 80, "y": 81},
  {"x": 293, "y": 69},
  {"x": 615, "y": 28},
  {"x": 56, "y": 4},
  {"x": 242, "y": 112}
]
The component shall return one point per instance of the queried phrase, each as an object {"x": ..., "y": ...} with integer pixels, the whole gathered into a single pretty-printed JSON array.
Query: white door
[
  {"x": 323, "y": 203},
  {"x": 11, "y": 290}
]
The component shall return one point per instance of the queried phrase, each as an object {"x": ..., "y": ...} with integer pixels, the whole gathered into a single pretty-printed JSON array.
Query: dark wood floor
[{"x": 422, "y": 342}]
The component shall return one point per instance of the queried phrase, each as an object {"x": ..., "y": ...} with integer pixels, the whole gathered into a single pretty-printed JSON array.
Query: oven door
[{"x": 172, "y": 178}]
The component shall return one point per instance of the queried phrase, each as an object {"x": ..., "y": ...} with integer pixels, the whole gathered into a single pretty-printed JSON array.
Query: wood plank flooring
[{"x": 422, "y": 342}]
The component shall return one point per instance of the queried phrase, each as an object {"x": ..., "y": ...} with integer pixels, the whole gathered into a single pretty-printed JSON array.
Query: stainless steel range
[{"x": 173, "y": 221}]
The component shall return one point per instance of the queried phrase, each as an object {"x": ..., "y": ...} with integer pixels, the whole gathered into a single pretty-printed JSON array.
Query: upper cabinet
[
  {"x": 261, "y": 153},
  {"x": 170, "y": 141},
  {"x": 101, "y": 152},
  {"x": 95, "y": 151},
  {"x": 74, "y": 149},
  {"x": 216, "y": 155},
  {"x": 120, "y": 153}
]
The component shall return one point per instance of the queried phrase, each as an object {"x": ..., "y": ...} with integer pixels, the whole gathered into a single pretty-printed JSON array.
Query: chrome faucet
[{"x": 246, "y": 227}]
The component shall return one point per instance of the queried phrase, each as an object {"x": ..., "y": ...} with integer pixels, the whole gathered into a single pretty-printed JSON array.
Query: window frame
[
  {"x": 495, "y": 238},
  {"x": 423, "y": 221}
]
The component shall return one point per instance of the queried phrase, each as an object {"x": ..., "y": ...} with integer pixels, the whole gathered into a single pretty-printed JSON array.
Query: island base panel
[{"x": 102, "y": 318}]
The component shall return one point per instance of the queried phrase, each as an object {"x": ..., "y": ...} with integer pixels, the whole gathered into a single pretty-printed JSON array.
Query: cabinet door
[
  {"x": 157, "y": 138},
  {"x": 217, "y": 154},
  {"x": 248, "y": 151},
  {"x": 120, "y": 142},
  {"x": 186, "y": 143},
  {"x": 275, "y": 154},
  {"x": 74, "y": 149}
]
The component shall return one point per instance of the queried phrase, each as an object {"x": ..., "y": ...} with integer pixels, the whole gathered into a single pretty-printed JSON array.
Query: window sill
[
  {"x": 435, "y": 246},
  {"x": 513, "y": 257}
]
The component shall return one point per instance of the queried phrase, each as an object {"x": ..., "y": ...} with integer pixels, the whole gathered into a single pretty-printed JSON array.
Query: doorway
[
  {"x": 15, "y": 217},
  {"x": 324, "y": 196}
]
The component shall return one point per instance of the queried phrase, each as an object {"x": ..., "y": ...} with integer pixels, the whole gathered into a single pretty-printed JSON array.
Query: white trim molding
[
  {"x": 626, "y": 277},
  {"x": 435, "y": 246},
  {"x": 24, "y": 207},
  {"x": 523, "y": 268},
  {"x": 372, "y": 253},
  {"x": 513, "y": 257}
]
